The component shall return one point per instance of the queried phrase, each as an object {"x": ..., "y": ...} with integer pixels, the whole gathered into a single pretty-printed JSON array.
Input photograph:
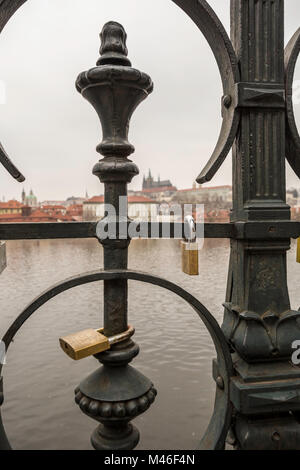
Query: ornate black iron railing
[{"x": 257, "y": 387}]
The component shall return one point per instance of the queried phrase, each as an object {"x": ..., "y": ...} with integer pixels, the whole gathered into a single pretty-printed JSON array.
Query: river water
[{"x": 176, "y": 351}]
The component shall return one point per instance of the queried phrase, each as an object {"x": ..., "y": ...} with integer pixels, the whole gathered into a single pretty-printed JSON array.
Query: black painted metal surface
[
  {"x": 68, "y": 230},
  {"x": 262, "y": 387},
  {"x": 293, "y": 139}
]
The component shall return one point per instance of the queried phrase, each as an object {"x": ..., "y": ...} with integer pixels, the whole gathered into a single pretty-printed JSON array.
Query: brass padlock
[
  {"x": 89, "y": 342},
  {"x": 298, "y": 250},
  {"x": 189, "y": 249}
]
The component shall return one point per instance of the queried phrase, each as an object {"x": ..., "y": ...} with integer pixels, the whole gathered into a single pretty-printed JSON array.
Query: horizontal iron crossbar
[{"x": 238, "y": 230}]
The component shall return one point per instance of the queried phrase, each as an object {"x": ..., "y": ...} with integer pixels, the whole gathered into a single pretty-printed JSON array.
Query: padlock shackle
[
  {"x": 120, "y": 336},
  {"x": 190, "y": 234}
]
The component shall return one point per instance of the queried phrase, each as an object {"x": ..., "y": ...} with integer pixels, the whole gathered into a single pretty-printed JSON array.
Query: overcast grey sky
[{"x": 51, "y": 132}]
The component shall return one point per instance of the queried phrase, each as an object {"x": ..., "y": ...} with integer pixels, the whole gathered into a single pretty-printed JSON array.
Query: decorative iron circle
[{"x": 215, "y": 435}]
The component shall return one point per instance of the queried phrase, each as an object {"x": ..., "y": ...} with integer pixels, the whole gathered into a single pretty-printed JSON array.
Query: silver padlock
[{"x": 189, "y": 248}]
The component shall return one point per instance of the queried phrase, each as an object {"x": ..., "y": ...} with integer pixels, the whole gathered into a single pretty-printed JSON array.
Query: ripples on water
[{"x": 176, "y": 351}]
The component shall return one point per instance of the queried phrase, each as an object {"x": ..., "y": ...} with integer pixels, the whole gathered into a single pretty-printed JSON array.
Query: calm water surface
[{"x": 176, "y": 351}]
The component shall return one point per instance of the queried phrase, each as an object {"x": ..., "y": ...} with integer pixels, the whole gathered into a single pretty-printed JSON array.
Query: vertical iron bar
[
  {"x": 115, "y": 257},
  {"x": 116, "y": 392},
  {"x": 258, "y": 321}
]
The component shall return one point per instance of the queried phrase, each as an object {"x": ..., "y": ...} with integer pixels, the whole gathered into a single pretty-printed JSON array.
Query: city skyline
[{"x": 51, "y": 133}]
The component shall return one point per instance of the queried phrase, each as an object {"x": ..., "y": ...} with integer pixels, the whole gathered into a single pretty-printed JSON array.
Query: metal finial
[
  {"x": 114, "y": 89},
  {"x": 113, "y": 48}
]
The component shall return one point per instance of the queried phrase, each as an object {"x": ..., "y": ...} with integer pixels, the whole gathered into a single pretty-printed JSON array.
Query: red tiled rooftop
[
  {"x": 39, "y": 213},
  {"x": 36, "y": 216},
  {"x": 53, "y": 207},
  {"x": 13, "y": 204},
  {"x": 96, "y": 199},
  {"x": 16, "y": 218},
  {"x": 74, "y": 206},
  {"x": 10, "y": 216},
  {"x": 140, "y": 199}
]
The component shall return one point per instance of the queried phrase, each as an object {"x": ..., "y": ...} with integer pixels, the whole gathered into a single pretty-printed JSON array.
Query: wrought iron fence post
[
  {"x": 258, "y": 320},
  {"x": 116, "y": 393}
]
